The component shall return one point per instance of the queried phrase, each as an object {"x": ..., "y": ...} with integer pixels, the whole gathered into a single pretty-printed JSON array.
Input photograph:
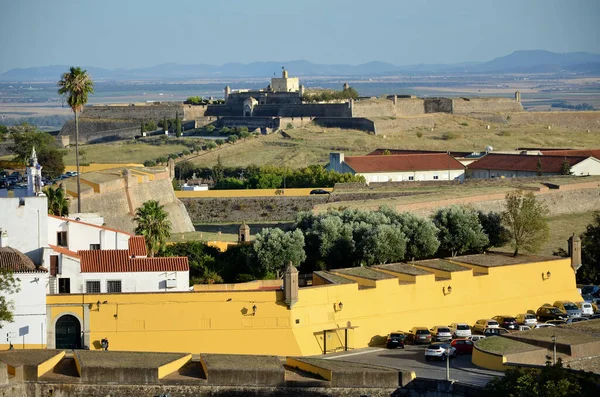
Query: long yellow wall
[{"x": 222, "y": 322}]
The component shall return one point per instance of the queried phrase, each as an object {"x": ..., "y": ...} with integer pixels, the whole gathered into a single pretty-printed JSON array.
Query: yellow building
[{"x": 360, "y": 305}]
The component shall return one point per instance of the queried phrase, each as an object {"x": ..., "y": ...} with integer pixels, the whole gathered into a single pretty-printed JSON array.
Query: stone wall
[
  {"x": 485, "y": 105},
  {"x": 438, "y": 105},
  {"x": 95, "y": 131},
  {"x": 404, "y": 107},
  {"x": 139, "y": 112},
  {"x": 347, "y": 123},
  {"x": 304, "y": 110},
  {"x": 250, "y": 122}
]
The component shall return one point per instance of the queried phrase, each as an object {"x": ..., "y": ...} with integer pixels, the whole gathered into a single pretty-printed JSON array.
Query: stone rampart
[
  {"x": 304, "y": 110},
  {"x": 250, "y": 122},
  {"x": 139, "y": 112},
  {"x": 485, "y": 105},
  {"x": 404, "y": 107},
  {"x": 347, "y": 123},
  {"x": 438, "y": 105},
  {"x": 96, "y": 130}
]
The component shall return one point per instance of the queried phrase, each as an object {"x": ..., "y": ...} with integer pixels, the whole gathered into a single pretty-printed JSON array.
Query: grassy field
[{"x": 562, "y": 227}]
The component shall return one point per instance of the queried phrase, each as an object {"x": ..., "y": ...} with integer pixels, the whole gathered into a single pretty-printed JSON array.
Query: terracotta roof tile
[
  {"x": 403, "y": 162},
  {"x": 118, "y": 261},
  {"x": 573, "y": 152},
  {"x": 380, "y": 151},
  {"x": 15, "y": 260},
  {"x": 137, "y": 246},
  {"x": 64, "y": 251},
  {"x": 522, "y": 162}
]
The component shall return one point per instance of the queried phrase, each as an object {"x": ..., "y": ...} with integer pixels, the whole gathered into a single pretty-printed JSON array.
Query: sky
[{"x": 139, "y": 33}]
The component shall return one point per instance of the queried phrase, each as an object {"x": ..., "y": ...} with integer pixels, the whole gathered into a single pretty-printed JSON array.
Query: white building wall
[
  {"x": 80, "y": 236},
  {"x": 506, "y": 174},
  {"x": 440, "y": 175},
  {"x": 26, "y": 222},
  {"x": 136, "y": 282},
  {"x": 29, "y": 312},
  {"x": 589, "y": 166}
]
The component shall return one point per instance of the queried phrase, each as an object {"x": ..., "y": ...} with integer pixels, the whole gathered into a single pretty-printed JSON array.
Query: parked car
[
  {"x": 460, "y": 330},
  {"x": 524, "y": 328},
  {"x": 441, "y": 333},
  {"x": 482, "y": 324},
  {"x": 556, "y": 322},
  {"x": 543, "y": 325},
  {"x": 595, "y": 316},
  {"x": 507, "y": 322},
  {"x": 576, "y": 320},
  {"x": 440, "y": 350},
  {"x": 492, "y": 331},
  {"x": 526, "y": 319},
  {"x": 586, "y": 308},
  {"x": 395, "y": 340},
  {"x": 569, "y": 307},
  {"x": 319, "y": 191},
  {"x": 475, "y": 338},
  {"x": 462, "y": 345},
  {"x": 418, "y": 335},
  {"x": 546, "y": 313}
]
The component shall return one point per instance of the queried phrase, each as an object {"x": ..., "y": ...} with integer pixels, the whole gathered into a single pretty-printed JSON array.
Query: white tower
[{"x": 34, "y": 176}]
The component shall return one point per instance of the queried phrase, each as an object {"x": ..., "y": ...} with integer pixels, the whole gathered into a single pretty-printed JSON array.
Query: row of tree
[{"x": 330, "y": 95}]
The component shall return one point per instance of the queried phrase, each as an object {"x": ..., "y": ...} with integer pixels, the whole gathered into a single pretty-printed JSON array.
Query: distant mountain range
[{"x": 533, "y": 61}]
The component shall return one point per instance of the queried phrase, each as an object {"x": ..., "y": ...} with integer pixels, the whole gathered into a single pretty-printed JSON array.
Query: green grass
[
  {"x": 229, "y": 231},
  {"x": 502, "y": 345},
  {"x": 562, "y": 227}
]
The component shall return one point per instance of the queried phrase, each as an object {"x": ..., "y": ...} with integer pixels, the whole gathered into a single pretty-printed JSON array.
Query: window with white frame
[
  {"x": 92, "y": 287},
  {"x": 113, "y": 286}
]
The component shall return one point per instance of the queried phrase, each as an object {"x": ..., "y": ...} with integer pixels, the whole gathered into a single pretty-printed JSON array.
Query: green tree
[
  {"x": 201, "y": 257},
  {"x": 76, "y": 85},
  {"x": 211, "y": 145},
  {"x": 26, "y": 137},
  {"x": 525, "y": 220},
  {"x": 232, "y": 138},
  {"x": 538, "y": 168},
  {"x": 153, "y": 223},
  {"x": 493, "y": 228},
  {"x": 177, "y": 125},
  {"x": 268, "y": 181},
  {"x": 3, "y": 132},
  {"x": 565, "y": 168},
  {"x": 219, "y": 142},
  {"x": 218, "y": 171},
  {"x": 275, "y": 249},
  {"x": 58, "y": 204},
  {"x": 421, "y": 233},
  {"x": 209, "y": 128},
  {"x": 165, "y": 124},
  {"x": 8, "y": 286},
  {"x": 590, "y": 253},
  {"x": 551, "y": 381},
  {"x": 459, "y": 230},
  {"x": 384, "y": 244}
]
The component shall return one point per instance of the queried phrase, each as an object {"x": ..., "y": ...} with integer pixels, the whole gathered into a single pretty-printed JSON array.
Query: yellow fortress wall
[{"x": 225, "y": 322}]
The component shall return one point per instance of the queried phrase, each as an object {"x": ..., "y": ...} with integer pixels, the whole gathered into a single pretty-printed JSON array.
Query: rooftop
[
  {"x": 116, "y": 261},
  {"x": 364, "y": 272},
  {"x": 15, "y": 260},
  {"x": 380, "y": 151},
  {"x": 520, "y": 162},
  {"x": 573, "y": 152},
  {"x": 403, "y": 162},
  {"x": 403, "y": 268},
  {"x": 441, "y": 264},
  {"x": 494, "y": 259},
  {"x": 333, "y": 278}
]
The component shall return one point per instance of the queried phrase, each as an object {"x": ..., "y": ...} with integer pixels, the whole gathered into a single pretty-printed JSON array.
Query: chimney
[
  {"x": 335, "y": 161},
  {"x": 575, "y": 252},
  {"x": 290, "y": 285},
  {"x": 3, "y": 238}
]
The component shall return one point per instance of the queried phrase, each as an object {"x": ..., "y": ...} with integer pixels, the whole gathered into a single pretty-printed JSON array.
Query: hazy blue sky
[{"x": 137, "y": 33}]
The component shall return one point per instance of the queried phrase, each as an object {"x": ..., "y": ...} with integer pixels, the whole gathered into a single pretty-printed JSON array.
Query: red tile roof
[
  {"x": 118, "y": 261},
  {"x": 89, "y": 224},
  {"x": 18, "y": 262},
  {"x": 380, "y": 151},
  {"x": 403, "y": 162},
  {"x": 137, "y": 246},
  {"x": 573, "y": 152},
  {"x": 522, "y": 162},
  {"x": 63, "y": 250}
]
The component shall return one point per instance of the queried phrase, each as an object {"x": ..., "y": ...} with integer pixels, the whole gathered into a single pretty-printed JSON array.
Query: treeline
[
  {"x": 198, "y": 100},
  {"x": 567, "y": 105},
  {"x": 40, "y": 121},
  {"x": 266, "y": 177},
  {"x": 330, "y": 95}
]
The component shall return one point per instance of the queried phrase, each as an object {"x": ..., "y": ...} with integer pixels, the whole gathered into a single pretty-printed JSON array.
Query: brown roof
[
  {"x": 404, "y": 162},
  {"x": 15, "y": 260},
  {"x": 137, "y": 246},
  {"x": 118, "y": 261},
  {"x": 380, "y": 151},
  {"x": 522, "y": 162},
  {"x": 63, "y": 250},
  {"x": 573, "y": 152}
]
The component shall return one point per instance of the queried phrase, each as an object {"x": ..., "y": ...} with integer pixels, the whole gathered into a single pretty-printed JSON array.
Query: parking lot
[{"x": 412, "y": 358}]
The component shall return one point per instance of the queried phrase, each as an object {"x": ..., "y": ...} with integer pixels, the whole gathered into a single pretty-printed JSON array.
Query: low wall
[
  {"x": 139, "y": 112},
  {"x": 250, "y": 122},
  {"x": 404, "y": 107},
  {"x": 228, "y": 370},
  {"x": 485, "y": 105},
  {"x": 304, "y": 110},
  {"x": 95, "y": 131},
  {"x": 347, "y": 123},
  {"x": 438, "y": 105},
  {"x": 423, "y": 387},
  {"x": 488, "y": 360}
]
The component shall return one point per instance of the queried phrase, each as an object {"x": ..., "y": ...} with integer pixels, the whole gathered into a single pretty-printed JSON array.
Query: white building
[
  {"x": 28, "y": 328},
  {"x": 400, "y": 167},
  {"x": 522, "y": 165}
]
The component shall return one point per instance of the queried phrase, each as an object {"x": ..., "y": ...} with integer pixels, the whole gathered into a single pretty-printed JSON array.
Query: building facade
[{"x": 524, "y": 165}]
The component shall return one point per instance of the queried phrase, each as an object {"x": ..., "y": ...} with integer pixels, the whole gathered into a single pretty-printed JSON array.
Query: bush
[
  {"x": 209, "y": 128},
  {"x": 173, "y": 156},
  {"x": 149, "y": 163},
  {"x": 464, "y": 124},
  {"x": 419, "y": 134},
  {"x": 225, "y": 131},
  {"x": 449, "y": 135},
  {"x": 196, "y": 148},
  {"x": 193, "y": 100},
  {"x": 219, "y": 142},
  {"x": 186, "y": 152},
  {"x": 211, "y": 145},
  {"x": 162, "y": 160},
  {"x": 289, "y": 126},
  {"x": 244, "y": 135},
  {"x": 232, "y": 138}
]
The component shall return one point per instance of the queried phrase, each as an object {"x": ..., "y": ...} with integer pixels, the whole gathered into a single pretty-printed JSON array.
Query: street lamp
[
  {"x": 448, "y": 363},
  {"x": 553, "y": 349}
]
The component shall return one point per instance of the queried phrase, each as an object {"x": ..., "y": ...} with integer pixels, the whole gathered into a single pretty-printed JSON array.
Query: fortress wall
[
  {"x": 347, "y": 123},
  {"x": 224, "y": 111},
  {"x": 94, "y": 131},
  {"x": 138, "y": 112},
  {"x": 485, "y": 105},
  {"x": 410, "y": 107},
  {"x": 193, "y": 112},
  {"x": 304, "y": 110},
  {"x": 250, "y": 122},
  {"x": 438, "y": 105},
  {"x": 373, "y": 108},
  {"x": 576, "y": 120}
]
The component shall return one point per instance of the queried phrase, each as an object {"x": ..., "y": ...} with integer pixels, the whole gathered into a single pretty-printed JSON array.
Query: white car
[
  {"x": 524, "y": 328},
  {"x": 586, "y": 308},
  {"x": 526, "y": 319},
  {"x": 441, "y": 333},
  {"x": 475, "y": 338},
  {"x": 460, "y": 330},
  {"x": 544, "y": 325},
  {"x": 440, "y": 350},
  {"x": 482, "y": 324}
]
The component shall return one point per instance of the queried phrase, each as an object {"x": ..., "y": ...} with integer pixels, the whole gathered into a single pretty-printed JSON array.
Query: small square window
[
  {"x": 113, "y": 286},
  {"x": 61, "y": 239},
  {"x": 435, "y": 177},
  {"x": 411, "y": 178},
  {"x": 64, "y": 285},
  {"x": 92, "y": 287},
  {"x": 94, "y": 247}
]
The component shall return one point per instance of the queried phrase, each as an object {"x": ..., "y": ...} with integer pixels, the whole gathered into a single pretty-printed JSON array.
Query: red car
[{"x": 463, "y": 346}]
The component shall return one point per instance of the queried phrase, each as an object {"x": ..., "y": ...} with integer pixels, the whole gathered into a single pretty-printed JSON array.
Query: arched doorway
[{"x": 68, "y": 333}]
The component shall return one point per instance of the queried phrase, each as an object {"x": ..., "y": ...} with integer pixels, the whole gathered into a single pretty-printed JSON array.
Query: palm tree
[
  {"x": 58, "y": 204},
  {"x": 153, "y": 224},
  {"x": 75, "y": 85}
]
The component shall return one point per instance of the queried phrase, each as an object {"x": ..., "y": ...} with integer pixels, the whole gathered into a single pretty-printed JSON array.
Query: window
[
  {"x": 94, "y": 247},
  {"x": 61, "y": 239},
  {"x": 113, "y": 286},
  {"x": 411, "y": 178},
  {"x": 435, "y": 177},
  {"x": 92, "y": 287},
  {"x": 64, "y": 285}
]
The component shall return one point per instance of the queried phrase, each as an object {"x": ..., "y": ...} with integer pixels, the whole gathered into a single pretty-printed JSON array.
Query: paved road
[{"x": 413, "y": 358}]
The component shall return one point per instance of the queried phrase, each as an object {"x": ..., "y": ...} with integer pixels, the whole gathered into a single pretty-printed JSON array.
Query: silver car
[
  {"x": 460, "y": 330},
  {"x": 440, "y": 350},
  {"x": 526, "y": 319},
  {"x": 569, "y": 307},
  {"x": 441, "y": 333}
]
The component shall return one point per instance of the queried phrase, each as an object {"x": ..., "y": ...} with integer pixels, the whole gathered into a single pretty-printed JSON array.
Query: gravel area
[
  {"x": 114, "y": 359},
  {"x": 240, "y": 362},
  {"x": 16, "y": 358},
  {"x": 403, "y": 268},
  {"x": 440, "y": 264}
]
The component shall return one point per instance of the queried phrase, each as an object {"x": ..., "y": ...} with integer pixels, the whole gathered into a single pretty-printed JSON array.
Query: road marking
[{"x": 353, "y": 354}]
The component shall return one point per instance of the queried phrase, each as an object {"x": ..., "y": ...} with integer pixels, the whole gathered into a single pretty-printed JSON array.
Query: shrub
[
  {"x": 149, "y": 163},
  {"x": 232, "y": 138},
  {"x": 162, "y": 160},
  {"x": 173, "y": 156},
  {"x": 186, "y": 152},
  {"x": 419, "y": 134},
  {"x": 244, "y": 134},
  {"x": 448, "y": 136},
  {"x": 219, "y": 142},
  {"x": 225, "y": 131},
  {"x": 211, "y": 145},
  {"x": 289, "y": 126},
  {"x": 209, "y": 128},
  {"x": 196, "y": 148},
  {"x": 464, "y": 124}
]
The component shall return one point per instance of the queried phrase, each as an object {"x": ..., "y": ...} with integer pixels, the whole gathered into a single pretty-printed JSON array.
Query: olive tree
[
  {"x": 525, "y": 221},
  {"x": 459, "y": 230},
  {"x": 275, "y": 248}
]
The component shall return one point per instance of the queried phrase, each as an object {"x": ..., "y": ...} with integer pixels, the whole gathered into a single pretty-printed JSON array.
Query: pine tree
[
  {"x": 177, "y": 125},
  {"x": 165, "y": 125},
  {"x": 565, "y": 168},
  {"x": 539, "y": 171}
]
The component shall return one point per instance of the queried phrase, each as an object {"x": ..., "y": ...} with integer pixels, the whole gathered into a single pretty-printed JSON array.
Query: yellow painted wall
[
  {"x": 19, "y": 346},
  {"x": 222, "y": 322},
  {"x": 49, "y": 364},
  {"x": 173, "y": 366},
  {"x": 248, "y": 193},
  {"x": 313, "y": 369},
  {"x": 488, "y": 360}
]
